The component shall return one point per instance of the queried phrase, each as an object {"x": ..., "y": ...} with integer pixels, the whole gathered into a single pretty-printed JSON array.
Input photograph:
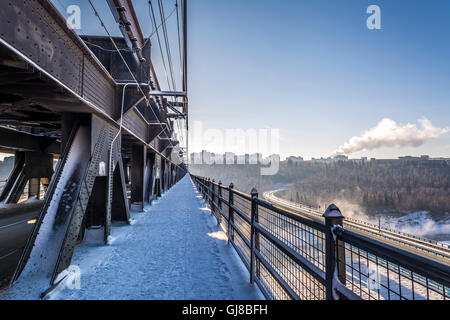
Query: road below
[
  {"x": 426, "y": 248},
  {"x": 16, "y": 223}
]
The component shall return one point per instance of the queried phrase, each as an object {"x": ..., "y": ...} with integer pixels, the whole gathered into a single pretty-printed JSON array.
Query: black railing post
[
  {"x": 230, "y": 214},
  {"x": 203, "y": 187},
  {"x": 254, "y": 218},
  {"x": 205, "y": 190},
  {"x": 213, "y": 208},
  {"x": 209, "y": 193},
  {"x": 333, "y": 217},
  {"x": 219, "y": 203},
  {"x": 208, "y": 188}
]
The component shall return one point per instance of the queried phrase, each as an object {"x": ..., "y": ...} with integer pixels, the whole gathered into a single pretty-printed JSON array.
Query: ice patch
[
  {"x": 219, "y": 235},
  {"x": 111, "y": 240}
]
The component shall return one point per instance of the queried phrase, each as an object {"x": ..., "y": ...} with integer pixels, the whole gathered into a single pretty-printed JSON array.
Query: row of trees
[
  {"x": 377, "y": 186},
  {"x": 381, "y": 186}
]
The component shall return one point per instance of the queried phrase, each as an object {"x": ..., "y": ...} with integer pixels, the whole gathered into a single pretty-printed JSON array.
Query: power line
[
  {"x": 179, "y": 39},
  {"x": 180, "y": 55},
  {"x": 166, "y": 19},
  {"x": 169, "y": 55},
  {"x": 128, "y": 68},
  {"x": 152, "y": 33},
  {"x": 166, "y": 39},
  {"x": 159, "y": 43},
  {"x": 167, "y": 46},
  {"x": 118, "y": 50}
]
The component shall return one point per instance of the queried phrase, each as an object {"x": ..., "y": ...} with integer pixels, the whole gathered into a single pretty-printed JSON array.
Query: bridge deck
[{"x": 172, "y": 250}]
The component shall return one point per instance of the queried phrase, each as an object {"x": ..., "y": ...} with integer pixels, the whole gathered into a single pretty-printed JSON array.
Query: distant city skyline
[
  {"x": 312, "y": 69},
  {"x": 247, "y": 156}
]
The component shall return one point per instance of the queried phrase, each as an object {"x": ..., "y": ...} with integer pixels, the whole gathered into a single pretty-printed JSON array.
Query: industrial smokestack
[{"x": 388, "y": 133}]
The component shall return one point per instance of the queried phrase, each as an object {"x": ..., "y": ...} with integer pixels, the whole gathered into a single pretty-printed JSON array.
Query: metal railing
[
  {"x": 430, "y": 246},
  {"x": 293, "y": 257}
]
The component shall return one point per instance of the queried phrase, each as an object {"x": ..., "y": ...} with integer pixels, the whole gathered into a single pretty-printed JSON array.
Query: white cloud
[{"x": 388, "y": 133}]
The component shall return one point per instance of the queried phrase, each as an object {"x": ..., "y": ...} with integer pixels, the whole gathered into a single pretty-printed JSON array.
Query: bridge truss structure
[{"x": 101, "y": 113}]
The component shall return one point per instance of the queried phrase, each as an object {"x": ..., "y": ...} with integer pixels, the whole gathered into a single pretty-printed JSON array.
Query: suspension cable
[
  {"x": 168, "y": 53},
  {"x": 179, "y": 40},
  {"x": 166, "y": 40},
  {"x": 129, "y": 70},
  {"x": 159, "y": 43}
]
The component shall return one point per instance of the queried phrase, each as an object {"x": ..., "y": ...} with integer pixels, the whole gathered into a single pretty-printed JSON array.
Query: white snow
[
  {"x": 172, "y": 250},
  {"x": 419, "y": 224}
]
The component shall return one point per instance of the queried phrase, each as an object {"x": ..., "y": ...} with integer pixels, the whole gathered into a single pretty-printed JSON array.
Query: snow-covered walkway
[{"x": 172, "y": 250}]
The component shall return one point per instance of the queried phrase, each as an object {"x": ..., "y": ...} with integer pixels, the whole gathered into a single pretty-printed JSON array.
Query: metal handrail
[
  {"x": 318, "y": 274},
  {"x": 417, "y": 264},
  {"x": 386, "y": 233},
  {"x": 428, "y": 273},
  {"x": 316, "y": 211}
]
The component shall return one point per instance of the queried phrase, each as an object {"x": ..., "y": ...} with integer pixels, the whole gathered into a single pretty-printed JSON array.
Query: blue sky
[{"x": 310, "y": 68}]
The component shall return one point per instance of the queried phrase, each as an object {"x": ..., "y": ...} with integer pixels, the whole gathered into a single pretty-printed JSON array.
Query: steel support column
[
  {"x": 149, "y": 194},
  {"x": 29, "y": 167},
  {"x": 138, "y": 160},
  {"x": 120, "y": 209}
]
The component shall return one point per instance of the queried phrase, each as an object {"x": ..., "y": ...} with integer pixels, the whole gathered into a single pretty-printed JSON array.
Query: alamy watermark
[
  {"x": 74, "y": 18},
  {"x": 241, "y": 146},
  {"x": 374, "y": 20},
  {"x": 70, "y": 278}
]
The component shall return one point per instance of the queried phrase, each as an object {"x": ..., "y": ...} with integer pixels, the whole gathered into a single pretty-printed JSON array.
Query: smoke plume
[{"x": 388, "y": 133}]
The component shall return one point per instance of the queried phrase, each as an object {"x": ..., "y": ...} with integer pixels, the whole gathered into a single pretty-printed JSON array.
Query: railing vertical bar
[
  {"x": 254, "y": 217},
  {"x": 219, "y": 202},
  {"x": 230, "y": 214},
  {"x": 333, "y": 217},
  {"x": 213, "y": 207}
]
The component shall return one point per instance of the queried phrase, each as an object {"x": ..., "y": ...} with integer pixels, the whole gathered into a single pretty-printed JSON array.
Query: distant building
[
  {"x": 196, "y": 158},
  {"x": 229, "y": 158},
  {"x": 255, "y": 158},
  {"x": 340, "y": 158},
  {"x": 362, "y": 160},
  {"x": 414, "y": 159},
  {"x": 294, "y": 160},
  {"x": 240, "y": 159},
  {"x": 219, "y": 159},
  {"x": 207, "y": 157},
  {"x": 322, "y": 160},
  {"x": 274, "y": 158}
]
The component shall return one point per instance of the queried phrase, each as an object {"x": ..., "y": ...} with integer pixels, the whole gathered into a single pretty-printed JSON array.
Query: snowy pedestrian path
[{"x": 172, "y": 250}]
